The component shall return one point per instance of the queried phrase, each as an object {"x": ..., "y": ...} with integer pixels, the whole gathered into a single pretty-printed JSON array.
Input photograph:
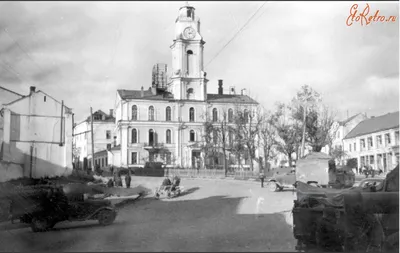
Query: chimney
[
  {"x": 142, "y": 92},
  {"x": 232, "y": 90},
  {"x": 220, "y": 90},
  {"x": 111, "y": 113},
  {"x": 32, "y": 89},
  {"x": 243, "y": 92}
]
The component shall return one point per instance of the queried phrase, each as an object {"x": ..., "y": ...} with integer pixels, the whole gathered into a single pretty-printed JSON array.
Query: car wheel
[
  {"x": 106, "y": 217},
  {"x": 273, "y": 187},
  {"x": 40, "y": 224}
]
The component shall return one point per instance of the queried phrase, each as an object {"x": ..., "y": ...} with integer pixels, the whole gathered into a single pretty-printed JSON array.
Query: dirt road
[{"x": 214, "y": 215}]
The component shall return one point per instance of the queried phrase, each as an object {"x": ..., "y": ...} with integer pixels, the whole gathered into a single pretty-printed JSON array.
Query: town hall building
[{"x": 166, "y": 123}]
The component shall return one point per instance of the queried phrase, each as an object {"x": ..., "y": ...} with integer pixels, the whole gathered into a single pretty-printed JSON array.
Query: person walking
[
  {"x": 128, "y": 180},
  {"x": 262, "y": 177}
]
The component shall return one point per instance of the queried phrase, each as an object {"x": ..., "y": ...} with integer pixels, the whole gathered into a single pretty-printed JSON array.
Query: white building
[
  {"x": 341, "y": 128},
  {"x": 167, "y": 124},
  {"x": 37, "y": 135},
  {"x": 103, "y": 129},
  {"x": 375, "y": 142}
]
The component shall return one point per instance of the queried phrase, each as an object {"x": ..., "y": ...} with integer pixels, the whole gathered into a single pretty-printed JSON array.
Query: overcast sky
[{"x": 82, "y": 52}]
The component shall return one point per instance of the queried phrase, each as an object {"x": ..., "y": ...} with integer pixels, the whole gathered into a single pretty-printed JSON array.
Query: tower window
[
  {"x": 191, "y": 114},
  {"x": 151, "y": 113},
  {"x": 189, "y": 52},
  {"x": 189, "y": 60}
]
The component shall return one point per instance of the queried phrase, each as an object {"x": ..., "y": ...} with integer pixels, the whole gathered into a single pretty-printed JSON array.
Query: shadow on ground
[{"x": 208, "y": 224}]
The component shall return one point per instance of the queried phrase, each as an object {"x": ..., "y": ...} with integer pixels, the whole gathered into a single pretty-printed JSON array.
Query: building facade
[
  {"x": 38, "y": 135},
  {"x": 6, "y": 96},
  {"x": 375, "y": 142},
  {"x": 167, "y": 123},
  {"x": 103, "y": 135},
  {"x": 340, "y": 129}
]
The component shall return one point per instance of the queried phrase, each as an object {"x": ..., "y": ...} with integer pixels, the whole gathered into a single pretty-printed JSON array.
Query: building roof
[
  {"x": 344, "y": 122},
  {"x": 23, "y": 97},
  {"x": 107, "y": 117},
  {"x": 163, "y": 95},
  {"x": 375, "y": 124},
  {"x": 118, "y": 147}
]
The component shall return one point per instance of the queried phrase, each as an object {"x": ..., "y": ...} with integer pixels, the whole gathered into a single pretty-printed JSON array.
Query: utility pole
[{"x": 91, "y": 133}]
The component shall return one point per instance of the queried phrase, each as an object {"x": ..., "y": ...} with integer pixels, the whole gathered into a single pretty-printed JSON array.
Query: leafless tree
[{"x": 268, "y": 135}]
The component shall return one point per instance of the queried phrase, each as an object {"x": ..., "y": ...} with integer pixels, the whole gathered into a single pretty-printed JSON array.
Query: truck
[
  {"x": 315, "y": 169},
  {"x": 365, "y": 218}
]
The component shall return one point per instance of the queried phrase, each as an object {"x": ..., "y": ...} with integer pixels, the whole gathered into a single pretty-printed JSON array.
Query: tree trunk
[
  {"x": 225, "y": 163},
  {"x": 290, "y": 160},
  {"x": 303, "y": 142}
]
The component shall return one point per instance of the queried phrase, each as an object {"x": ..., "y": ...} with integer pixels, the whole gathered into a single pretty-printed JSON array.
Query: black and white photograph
[{"x": 199, "y": 126}]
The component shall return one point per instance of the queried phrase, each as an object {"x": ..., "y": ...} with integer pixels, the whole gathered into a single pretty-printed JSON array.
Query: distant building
[
  {"x": 103, "y": 134},
  {"x": 160, "y": 76},
  {"x": 166, "y": 123},
  {"x": 375, "y": 142},
  {"x": 341, "y": 129},
  {"x": 37, "y": 135}
]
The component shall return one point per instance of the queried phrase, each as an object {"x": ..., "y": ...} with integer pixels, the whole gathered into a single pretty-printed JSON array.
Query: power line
[{"x": 237, "y": 33}]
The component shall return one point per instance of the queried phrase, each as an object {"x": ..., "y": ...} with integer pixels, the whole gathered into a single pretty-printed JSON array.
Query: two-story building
[
  {"x": 167, "y": 123},
  {"x": 103, "y": 135},
  {"x": 375, "y": 142},
  {"x": 37, "y": 135},
  {"x": 339, "y": 131}
]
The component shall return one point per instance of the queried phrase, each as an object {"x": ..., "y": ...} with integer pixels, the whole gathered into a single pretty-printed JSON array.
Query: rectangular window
[
  {"x": 370, "y": 143},
  {"x": 106, "y": 161},
  {"x": 354, "y": 146},
  {"x": 387, "y": 139},
  {"x": 396, "y": 136},
  {"x": 350, "y": 147},
  {"x": 108, "y": 146},
  {"x": 362, "y": 143},
  {"x": 108, "y": 134},
  {"x": 134, "y": 158}
]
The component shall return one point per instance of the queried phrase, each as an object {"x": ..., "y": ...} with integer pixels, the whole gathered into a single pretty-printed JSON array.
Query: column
[{"x": 124, "y": 146}]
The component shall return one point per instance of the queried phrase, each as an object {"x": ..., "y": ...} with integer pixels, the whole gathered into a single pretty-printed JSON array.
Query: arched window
[
  {"x": 151, "y": 137},
  {"x": 192, "y": 135},
  {"x": 215, "y": 115},
  {"x": 191, "y": 114},
  {"x": 134, "y": 112},
  {"x": 151, "y": 113},
  {"x": 168, "y": 113},
  {"x": 230, "y": 115},
  {"x": 168, "y": 136},
  {"x": 190, "y": 93},
  {"x": 134, "y": 136},
  {"x": 246, "y": 116}
]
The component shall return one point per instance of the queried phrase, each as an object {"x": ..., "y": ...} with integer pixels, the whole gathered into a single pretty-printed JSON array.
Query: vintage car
[
  {"x": 366, "y": 182},
  {"x": 282, "y": 178},
  {"x": 43, "y": 206}
]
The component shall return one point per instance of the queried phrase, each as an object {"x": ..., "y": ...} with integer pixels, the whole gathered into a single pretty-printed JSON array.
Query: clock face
[{"x": 189, "y": 33}]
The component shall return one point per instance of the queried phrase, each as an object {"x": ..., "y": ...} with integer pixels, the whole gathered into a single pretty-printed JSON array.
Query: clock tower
[{"x": 188, "y": 80}]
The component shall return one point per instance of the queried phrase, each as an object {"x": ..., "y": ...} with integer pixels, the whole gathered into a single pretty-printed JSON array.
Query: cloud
[{"x": 82, "y": 52}]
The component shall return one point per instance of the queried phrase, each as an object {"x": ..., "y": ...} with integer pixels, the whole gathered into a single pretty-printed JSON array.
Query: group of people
[
  {"x": 168, "y": 185},
  {"x": 368, "y": 170},
  {"x": 117, "y": 180}
]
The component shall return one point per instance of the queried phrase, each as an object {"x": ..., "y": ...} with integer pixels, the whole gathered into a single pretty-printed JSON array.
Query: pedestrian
[
  {"x": 128, "y": 180},
  {"x": 110, "y": 183},
  {"x": 117, "y": 179},
  {"x": 262, "y": 177}
]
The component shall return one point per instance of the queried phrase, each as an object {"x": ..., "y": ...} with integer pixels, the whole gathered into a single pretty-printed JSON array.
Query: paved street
[{"x": 215, "y": 215}]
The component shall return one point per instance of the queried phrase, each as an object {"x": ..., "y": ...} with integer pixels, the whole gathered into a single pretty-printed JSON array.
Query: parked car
[
  {"x": 282, "y": 178},
  {"x": 43, "y": 206}
]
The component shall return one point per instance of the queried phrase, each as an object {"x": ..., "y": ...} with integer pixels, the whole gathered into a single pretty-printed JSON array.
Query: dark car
[
  {"x": 282, "y": 178},
  {"x": 44, "y": 206}
]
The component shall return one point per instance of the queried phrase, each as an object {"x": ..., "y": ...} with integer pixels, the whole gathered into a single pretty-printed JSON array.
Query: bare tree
[
  {"x": 207, "y": 144},
  {"x": 268, "y": 134},
  {"x": 288, "y": 132}
]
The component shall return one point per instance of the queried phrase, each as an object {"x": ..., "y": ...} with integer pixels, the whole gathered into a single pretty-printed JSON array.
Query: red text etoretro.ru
[{"x": 364, "y": 17}]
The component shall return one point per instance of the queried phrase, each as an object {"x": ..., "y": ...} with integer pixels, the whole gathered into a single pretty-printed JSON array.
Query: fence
[{"x": 212, "y": 173}]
